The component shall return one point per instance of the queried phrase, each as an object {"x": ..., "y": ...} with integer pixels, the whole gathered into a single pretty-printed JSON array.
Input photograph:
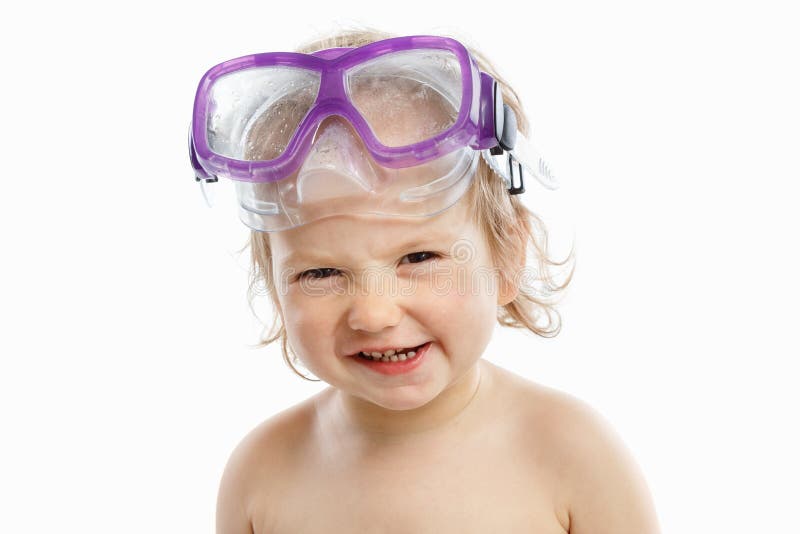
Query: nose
[{"x": 374, "y": 311}]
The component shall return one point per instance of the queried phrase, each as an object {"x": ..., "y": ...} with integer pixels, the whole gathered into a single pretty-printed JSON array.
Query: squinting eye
[
  {"x": 317, "y": 273},
  {"x": 418, "y": 254}
]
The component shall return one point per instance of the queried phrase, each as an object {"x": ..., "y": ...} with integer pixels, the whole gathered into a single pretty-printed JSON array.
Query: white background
[{"x": 126, "y": 379}]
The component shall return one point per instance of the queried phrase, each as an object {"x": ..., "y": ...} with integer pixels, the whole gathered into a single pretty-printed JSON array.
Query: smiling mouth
[{"x": 391, "y": 355}]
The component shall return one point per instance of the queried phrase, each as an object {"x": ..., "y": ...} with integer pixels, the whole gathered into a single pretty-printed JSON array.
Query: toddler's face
[{"x": 349, "y": 282}]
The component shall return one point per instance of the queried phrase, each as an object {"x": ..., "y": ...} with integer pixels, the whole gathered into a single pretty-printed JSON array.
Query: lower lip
[{"x": 396, "y": 368}]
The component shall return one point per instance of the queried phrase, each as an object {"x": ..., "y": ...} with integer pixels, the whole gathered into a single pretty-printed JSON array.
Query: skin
[{"x": 520, "y": 457}]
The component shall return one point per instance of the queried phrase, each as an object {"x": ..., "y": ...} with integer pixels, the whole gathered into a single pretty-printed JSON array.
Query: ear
[
  {"x": 508, "y": 285},
  {"x": 508, "y": 290}
]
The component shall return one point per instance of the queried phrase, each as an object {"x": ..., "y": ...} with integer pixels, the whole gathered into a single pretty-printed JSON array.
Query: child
[{"x": 379, "y": 176}]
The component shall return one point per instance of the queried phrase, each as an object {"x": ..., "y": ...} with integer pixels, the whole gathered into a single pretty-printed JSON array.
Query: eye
[
  {"x": 317, "y": 274},
  {"x": 422, "y": 256}
]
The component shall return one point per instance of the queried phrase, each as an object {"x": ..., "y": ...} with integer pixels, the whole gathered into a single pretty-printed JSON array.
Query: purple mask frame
[{"x": 474, "y": 127}]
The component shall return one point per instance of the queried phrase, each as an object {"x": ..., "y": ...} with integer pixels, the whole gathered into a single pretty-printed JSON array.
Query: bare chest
[{"x": 416, "y": 494}]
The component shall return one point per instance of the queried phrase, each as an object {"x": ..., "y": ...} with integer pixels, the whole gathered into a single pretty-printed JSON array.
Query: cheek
[
  {"x": 467, "y": 284},
  {"x": 476, "y": 296},
  {"x": 457, "y": 297},
  {"x": 462, "y": 323},
  {"x": 308, "y": 318},
  {"x": 310, "y": 331}
]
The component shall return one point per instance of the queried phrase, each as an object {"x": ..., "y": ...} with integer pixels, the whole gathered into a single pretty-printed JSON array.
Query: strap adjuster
[
  {"x": 207, "y": 179},
  {"x": 514, "y": 162}
]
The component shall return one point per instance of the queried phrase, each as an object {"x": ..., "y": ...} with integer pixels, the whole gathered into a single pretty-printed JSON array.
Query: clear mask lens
[
  {"x": 407, "y": 97},
  {"x": 253, "y": 113}
]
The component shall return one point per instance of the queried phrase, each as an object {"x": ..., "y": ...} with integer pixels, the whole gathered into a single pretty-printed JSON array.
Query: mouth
[
  {"x": 391, "y": 355},
  {"x": 396, "y": 364}
]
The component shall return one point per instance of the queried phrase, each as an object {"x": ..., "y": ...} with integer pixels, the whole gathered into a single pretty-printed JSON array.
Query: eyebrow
[{"x": 312, "y": 257}]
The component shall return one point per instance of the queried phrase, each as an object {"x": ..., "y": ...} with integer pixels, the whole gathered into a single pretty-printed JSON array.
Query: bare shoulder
[
  {"x": 599, "y": 487},
  {"x": 257, "y": 465}
]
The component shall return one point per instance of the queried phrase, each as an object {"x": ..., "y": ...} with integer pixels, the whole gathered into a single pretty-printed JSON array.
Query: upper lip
[{"x": 369, "y": 350}]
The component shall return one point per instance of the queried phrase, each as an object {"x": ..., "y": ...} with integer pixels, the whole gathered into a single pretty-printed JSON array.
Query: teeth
[{"x": 391, "y": 355}]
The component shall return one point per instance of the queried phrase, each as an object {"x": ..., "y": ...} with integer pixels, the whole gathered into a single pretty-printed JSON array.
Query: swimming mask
[{"x": 394, "y": 127}]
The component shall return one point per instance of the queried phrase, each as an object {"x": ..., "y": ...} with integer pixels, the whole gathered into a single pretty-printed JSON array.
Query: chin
[{"x": 405, "y": 398}]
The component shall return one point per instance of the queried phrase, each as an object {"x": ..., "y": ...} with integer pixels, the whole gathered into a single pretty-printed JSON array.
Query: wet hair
[{"x": 512, "y": 231}]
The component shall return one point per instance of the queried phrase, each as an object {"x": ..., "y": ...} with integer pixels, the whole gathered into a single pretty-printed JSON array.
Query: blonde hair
[{"x": 507, "y": 224}]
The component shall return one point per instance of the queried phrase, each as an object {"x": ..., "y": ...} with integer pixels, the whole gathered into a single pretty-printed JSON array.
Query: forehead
[{"x": 364, "y": 238}]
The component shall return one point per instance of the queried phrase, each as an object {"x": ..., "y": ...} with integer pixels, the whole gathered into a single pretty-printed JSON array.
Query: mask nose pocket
[{"x": 338, "y": 166}]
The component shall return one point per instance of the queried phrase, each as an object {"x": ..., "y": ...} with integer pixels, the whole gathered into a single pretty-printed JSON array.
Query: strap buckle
[{"x": 514, "y": 162}]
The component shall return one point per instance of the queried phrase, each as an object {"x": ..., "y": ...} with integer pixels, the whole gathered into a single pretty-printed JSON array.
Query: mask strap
[{"x": 200, "y": 174}]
